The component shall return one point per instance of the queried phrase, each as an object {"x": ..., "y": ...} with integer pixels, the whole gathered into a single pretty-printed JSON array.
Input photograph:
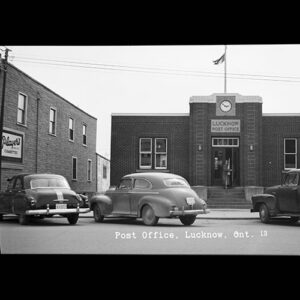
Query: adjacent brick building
[
  {"x": 45, "y": 133},
  {"x": 219, "y": 129}
]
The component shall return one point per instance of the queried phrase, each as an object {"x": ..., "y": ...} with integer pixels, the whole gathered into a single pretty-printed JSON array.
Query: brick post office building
[
  {"x": 45, "y": 133},
  {"x": 220, "y": 131}
]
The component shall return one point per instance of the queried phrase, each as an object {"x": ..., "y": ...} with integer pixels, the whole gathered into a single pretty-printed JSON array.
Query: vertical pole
[
  {"x": 37, "y": 132},
  {"x": 225, "y": 71},
  {"x": 2, "y": 109}
]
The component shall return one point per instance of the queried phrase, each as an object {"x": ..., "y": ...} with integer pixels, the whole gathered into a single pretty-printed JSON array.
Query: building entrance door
[{"x": 225, "y": 162}]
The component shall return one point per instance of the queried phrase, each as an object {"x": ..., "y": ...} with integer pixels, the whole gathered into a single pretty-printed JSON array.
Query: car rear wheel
[
  {"x": 264, "y": 213},
  {"x": 148, "y": 216},
  {"x": 1, "y": 217},
  {"x": 73, "y": 218},
  {"x": 98, "y": 216},
  {"x": 187, "y": 220},
  {"x": 23, "y": 219}
]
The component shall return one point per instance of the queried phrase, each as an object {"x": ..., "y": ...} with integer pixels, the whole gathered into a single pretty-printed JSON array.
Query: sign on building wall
[
  {"x": 12, "y": 146},
  {"x": 226, "y": 126}
]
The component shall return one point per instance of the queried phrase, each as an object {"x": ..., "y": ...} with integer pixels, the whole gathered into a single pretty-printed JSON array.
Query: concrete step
[
  {"x": 227, "y": 196},
  {"x": 218, "y": 197},
  {"x": 230, "y": 206},
  {"x": 212, "y": 201}
]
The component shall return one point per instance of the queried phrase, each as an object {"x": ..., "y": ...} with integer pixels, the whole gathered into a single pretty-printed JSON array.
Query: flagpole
[{"x": 225, "y": 71}]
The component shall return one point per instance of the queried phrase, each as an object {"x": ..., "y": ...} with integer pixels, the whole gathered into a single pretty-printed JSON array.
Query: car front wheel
[
  {"x": 98, "y": 216},
  {"x": 1, "y": 217},
  {"x": 148, "y": 216},
  {"x": 264, "y": 213},
  {"x": 73, "y": 218},
  {"x": 187, "y": 220}
]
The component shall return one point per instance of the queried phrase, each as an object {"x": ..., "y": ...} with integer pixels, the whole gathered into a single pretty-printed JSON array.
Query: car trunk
[
  {"x": 54, "y": 197},
  {"x": 179, "y": 195}
]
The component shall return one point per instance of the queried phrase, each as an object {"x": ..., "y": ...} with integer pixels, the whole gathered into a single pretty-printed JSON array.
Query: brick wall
[
  {"x": 126, "y": 131},
  {"x": 274, "y": 130},
  {"x": 54, "y": 153},
  {"x": 200, "y": 134}
]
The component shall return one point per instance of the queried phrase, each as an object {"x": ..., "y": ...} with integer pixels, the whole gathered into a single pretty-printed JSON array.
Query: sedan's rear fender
[
  {"x": 159, "y": 204},
  {"x": 267, "y": 199},
  {"x": 103, "y": 201}
]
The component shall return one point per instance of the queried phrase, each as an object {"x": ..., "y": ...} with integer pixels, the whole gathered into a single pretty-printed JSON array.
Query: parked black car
[
  {"x": 280, "y": 200},
  {"x": 42, "y": 195}
]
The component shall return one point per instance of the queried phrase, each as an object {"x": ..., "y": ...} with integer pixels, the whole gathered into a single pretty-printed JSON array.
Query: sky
[{"x": 103, "y": 80}]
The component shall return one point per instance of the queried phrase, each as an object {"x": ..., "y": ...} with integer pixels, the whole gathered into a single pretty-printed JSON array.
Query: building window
[
  {"x": 84, "y": 129},
  {"x": 145, "y": 153},
  {"x": 22, "y": 106},
  {"x": 71, "y": 129},
  {"x": 104, "y": 172},
  {"x": 52, "y": 122},
  {"x": 160, "y": 153},
  {"x": 225, "y": 142},
  {"x": 89, "y": 170},
  {"x": 74, "y": 168},
  {"x": 290, "y": 153}
]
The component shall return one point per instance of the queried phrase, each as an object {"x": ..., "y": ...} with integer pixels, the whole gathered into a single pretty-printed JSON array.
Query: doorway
[{"x": 225, "y": 161}]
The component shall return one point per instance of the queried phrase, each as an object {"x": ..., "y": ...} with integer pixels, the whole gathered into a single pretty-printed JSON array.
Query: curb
[{"x": 205, "y": 216}]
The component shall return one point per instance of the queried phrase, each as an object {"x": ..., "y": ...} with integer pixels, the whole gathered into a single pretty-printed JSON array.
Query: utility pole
[
  {"x": 225, "y": 70},
  {"x": 2, "y": 109}
]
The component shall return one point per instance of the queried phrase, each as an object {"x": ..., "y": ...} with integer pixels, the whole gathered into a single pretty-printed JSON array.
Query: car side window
[
  {"x": 18, "y": 184},
  {"x": 142, "y": 184},
  {"x": 10, "y": 183},
  {"x": 125, "y": 184},
  {"x": 292, "y": 179}
]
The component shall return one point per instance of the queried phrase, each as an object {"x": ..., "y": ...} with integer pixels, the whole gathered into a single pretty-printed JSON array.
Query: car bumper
[
  {"x": 174, "y": 213},
  {"x": 57, "y": 211}
]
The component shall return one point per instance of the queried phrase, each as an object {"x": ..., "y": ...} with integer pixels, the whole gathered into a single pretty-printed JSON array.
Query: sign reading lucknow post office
[{"x": 225, "y": 126}]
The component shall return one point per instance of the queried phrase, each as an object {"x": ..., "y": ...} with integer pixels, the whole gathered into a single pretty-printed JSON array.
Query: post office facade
[{"x": 219, "y": 129}]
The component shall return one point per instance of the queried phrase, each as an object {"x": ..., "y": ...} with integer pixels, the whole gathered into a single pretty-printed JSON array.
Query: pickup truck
[{"x": 280, "y": 200}]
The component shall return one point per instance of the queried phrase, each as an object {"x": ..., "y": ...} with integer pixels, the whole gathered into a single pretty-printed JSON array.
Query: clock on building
[{"x": 225, "y": 105}]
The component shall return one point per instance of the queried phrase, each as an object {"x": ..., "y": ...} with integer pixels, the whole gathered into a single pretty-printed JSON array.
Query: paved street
[{"x": 208, "y": 235}]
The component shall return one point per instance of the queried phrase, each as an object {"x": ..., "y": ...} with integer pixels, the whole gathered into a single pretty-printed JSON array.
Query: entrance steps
[{"x": 218, "y": 197}]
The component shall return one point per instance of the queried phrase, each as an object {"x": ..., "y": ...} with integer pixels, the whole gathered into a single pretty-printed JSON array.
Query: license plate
[
  {"x": 61, "y": 206},
  {"x": 190, "y": 200}
]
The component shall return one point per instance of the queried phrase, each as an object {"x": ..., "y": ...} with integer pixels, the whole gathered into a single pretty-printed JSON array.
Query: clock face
[{"x": 225, "y": 106}]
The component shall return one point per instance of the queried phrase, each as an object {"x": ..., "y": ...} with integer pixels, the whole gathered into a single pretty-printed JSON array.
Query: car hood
[
  {"x": 272, "y": 189},
  {"x": 52, "y": 196},
  {"x": 178, "y": 197}
]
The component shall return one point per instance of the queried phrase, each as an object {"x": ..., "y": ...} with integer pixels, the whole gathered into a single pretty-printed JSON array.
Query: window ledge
[
  {"x": 22, "y": 125},
  {"x": 152, "y": 170}
]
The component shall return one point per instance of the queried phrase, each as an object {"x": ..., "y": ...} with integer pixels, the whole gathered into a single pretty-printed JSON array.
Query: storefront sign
[
  {"x": 225, "y": 126},
  {"x": 12, "y": 144}
]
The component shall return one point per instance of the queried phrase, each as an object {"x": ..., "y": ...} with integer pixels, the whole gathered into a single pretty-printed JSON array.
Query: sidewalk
[{"x": 221, "y": 214}]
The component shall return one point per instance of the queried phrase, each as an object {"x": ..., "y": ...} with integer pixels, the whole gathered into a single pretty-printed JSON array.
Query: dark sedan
[
  {"x": 150, "y": 196},
  {"x": 280, "y": 200},
  {"x": 42, "y": 195}
]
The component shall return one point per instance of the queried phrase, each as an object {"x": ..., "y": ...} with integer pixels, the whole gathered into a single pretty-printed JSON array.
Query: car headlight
[
  {"x": 31, "y": 200},
  {"x": 174, "y": 208}
]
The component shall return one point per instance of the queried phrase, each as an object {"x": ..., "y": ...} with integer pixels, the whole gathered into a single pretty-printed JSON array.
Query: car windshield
[
  {"x": 49, "y": 182},
  {"x": 176, "y": 182}
]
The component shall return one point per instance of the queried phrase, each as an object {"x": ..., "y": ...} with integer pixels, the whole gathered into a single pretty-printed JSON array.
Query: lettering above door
[{"x": 225, "y": 126}]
